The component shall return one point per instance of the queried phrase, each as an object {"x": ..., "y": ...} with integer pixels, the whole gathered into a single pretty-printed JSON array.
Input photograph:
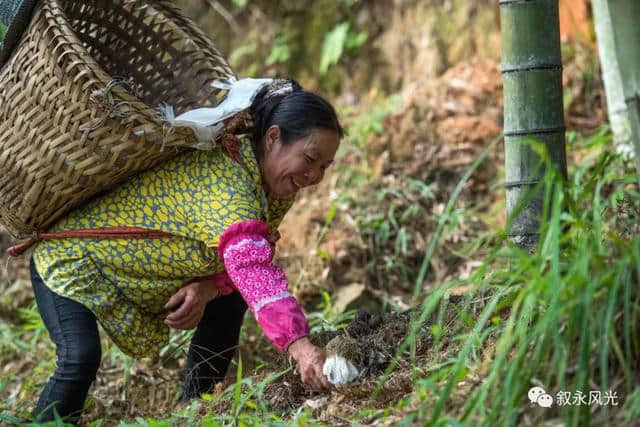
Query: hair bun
[
  {"x": 296, "y": 112},
  {"x": 267, "y": 101},
  {"x": 282, "y": 87}
]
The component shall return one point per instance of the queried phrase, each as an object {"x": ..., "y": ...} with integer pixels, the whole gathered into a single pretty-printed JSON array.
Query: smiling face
[{"x": 288, "y": 167}]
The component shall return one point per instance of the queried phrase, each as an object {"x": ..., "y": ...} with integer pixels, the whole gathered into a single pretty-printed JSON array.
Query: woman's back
[{"x": 195, "y": 196}]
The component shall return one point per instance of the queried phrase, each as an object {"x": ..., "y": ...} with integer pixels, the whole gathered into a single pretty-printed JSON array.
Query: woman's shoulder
[
  {"x": 236, "y": 167},
  {"x": 195, "y": 167}
]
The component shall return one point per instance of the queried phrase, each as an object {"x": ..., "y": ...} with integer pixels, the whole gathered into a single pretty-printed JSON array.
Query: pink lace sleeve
[{"x": 247, "y": 257}]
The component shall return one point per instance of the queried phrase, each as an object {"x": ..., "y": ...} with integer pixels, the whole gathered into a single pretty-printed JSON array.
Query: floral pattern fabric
[
  {"x": 126, "y": 282},
  {"x": 248, "y": 260}
]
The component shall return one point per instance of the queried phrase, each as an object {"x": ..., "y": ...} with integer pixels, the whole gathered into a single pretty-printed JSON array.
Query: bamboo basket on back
[{"x": 78, "y": 100}]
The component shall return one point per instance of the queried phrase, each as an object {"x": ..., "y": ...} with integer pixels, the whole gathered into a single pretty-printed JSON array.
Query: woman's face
[{"x": 288, "y": 168}]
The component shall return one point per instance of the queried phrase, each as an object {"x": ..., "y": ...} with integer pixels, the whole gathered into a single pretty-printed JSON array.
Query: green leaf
[
  {"x": 334, "y": 43},
  {"x": 323, "y": 254},
  {"x": 280, "y": 51},
  {"x": 3, "y": 31},
  {"x": 355, "y": 41},
  {"x": 209, "y": 421},
  {"x": 10, "y": 419},
  {"x": 331, "y": 214},
  {"x": 237, "y": 390},
  {"x": 402, "y": 242},
  {"x": 436, "y": 331}
]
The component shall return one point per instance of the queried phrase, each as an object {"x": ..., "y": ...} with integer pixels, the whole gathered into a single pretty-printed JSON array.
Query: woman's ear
[{"x": 271, "y": 137}]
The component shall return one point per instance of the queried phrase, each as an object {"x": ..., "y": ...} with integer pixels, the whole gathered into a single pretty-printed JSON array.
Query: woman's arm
[{"x": 247, "y": 256}]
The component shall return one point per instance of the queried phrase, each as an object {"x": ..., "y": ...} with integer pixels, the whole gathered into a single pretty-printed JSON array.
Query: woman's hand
[
  {"x": 310, "y": 360},
  {"x": 188, "y": 304}
]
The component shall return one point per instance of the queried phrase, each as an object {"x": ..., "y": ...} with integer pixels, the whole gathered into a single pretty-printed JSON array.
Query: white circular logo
[
  {"x": 545, "y": 400},
  {"x": 539, "y": 395},
  {"x": 535, "y": 393}
]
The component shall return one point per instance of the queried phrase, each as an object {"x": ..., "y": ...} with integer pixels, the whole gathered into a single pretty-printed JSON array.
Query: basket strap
[
  {"x": 100, "y": 233},
  {"x": 230, "y": 142}
]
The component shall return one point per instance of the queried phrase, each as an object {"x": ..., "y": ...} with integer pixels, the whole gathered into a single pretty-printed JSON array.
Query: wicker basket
[{"x": 78, "y": 101}]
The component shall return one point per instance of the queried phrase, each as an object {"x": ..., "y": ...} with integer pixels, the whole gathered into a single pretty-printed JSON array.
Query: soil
[
  {"x": 444, "y": 122},
  {"x": 370, "y": 342}
]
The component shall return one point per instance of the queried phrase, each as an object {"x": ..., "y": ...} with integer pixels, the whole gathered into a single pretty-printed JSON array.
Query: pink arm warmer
[{"x": 247, "y": 257}]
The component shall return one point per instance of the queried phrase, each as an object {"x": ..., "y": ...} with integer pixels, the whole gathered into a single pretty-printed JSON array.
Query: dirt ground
[
  {"x": 439, "y": 129},
  {"x": 370, "y": 342}
]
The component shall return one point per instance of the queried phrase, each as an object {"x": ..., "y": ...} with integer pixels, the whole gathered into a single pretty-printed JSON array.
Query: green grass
[
  {"x": 564, "y": 318},
  {"x": 3, "y": 31},
  {"x": 573, "y": 308}
]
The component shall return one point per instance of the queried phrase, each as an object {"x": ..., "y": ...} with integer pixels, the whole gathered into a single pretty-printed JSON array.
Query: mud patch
[{"x": 370, "y": 342}]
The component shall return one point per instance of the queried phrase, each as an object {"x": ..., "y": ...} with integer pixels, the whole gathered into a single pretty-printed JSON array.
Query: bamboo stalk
[
  {"x": 616, "y": 106},
  {"x": 533, "y": 109},
  {"x": 625, "y": 14}
]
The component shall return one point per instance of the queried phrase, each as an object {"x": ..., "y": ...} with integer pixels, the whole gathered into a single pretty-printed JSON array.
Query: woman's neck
[{"x": 262, "y": 180}]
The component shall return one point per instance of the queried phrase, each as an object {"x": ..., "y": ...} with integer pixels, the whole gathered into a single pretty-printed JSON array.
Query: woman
[{"x": 222, "y": 212}]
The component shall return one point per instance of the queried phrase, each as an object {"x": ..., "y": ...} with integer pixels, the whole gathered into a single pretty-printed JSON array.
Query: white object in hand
[{"x": 339, "y": 371}]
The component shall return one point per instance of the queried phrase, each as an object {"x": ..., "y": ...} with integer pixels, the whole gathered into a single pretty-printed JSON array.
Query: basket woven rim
[{"x": 57, "y": 39}]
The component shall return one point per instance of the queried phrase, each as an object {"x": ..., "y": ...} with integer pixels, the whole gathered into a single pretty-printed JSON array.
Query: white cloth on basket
[{"x": 206, "y": 122}]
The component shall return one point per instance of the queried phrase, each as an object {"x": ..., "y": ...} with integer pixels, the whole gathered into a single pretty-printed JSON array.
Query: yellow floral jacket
[{"x": 127, "y": 282}]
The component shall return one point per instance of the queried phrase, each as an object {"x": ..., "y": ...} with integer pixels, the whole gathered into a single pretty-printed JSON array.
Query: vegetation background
[{"x": 411, "y": 215}]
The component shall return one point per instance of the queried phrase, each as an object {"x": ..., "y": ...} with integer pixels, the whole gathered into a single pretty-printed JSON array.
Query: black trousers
[{"x": 74, "y": 331}]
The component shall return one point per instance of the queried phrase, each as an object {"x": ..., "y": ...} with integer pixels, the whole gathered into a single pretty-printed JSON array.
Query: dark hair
[{"x": 297, "y": 114}]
